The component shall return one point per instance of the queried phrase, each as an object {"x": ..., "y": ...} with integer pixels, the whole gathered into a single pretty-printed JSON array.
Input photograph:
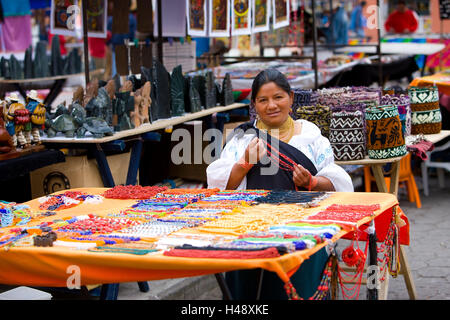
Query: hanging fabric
[
  {"x": 241, "y": 17},
  {"x": 97, "y": 17},
  {"x": 281, "y": 13},
  {"x": 144, "y": 15},
  {"x": 261, "y": 15},
  {"x": 219, "y": 18},
  {"x": 196, "y": 17}
]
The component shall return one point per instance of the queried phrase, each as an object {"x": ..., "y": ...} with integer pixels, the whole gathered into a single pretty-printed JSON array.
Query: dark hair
[
  {"x": 401, "y": 2},
  {"x": 363, "y": 3},
  {"x": 270, "y": 75}
]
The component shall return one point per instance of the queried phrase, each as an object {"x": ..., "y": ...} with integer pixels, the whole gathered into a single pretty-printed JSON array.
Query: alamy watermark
[
  {"x": 373, "y": 277},
  {"x": 373, "y": 17},
  {"x": 72, "y": 13},
  {"x": 74, "y": 280}
]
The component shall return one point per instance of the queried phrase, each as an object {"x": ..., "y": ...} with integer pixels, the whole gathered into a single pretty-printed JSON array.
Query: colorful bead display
[
  {"x": 237, "y": 224},
  {"x": 66, "y": 200},
  {"x": 133, "y": 192},
  {"x": 94, "y": 224}
]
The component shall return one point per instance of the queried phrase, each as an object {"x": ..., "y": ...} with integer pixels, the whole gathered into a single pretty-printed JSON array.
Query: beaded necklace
[
  {"x": 323, "y": 288},
  {"x": 390, "y": 250},
  {"x": 357, "y": 258},
  {"x": 133, "y": 192}
]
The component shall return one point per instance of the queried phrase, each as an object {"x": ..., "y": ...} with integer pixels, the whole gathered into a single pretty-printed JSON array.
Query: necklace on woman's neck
[{"x": 283, "y": 132}]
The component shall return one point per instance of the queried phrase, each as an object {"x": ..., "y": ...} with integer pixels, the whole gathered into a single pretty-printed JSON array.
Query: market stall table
[
  {"x": 12, "y": 168},
  {"x": 51, "y": 264},
  {"x": 396, "y": 48},
  {"x": 377, "y": 169},
  {"x": 54, "y": 83},
  {"x": 441, "y": 80}
]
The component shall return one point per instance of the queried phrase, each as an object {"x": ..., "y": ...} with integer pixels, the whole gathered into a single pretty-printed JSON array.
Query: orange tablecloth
[
  {"x": 51, "y": 266},
  {"x": 441, "y": 80}
]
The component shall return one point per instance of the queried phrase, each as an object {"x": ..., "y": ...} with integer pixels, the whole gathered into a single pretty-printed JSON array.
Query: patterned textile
[
  {"x": 384, "y": 133},
  {"x": 319, "y": 115},
  {"x": 347, "y": 135},
  {"x": 403, "y": 105},
  {"x": 302, "y": 97},
  {"x": 16, "y": 33},
  {"x": 426, "y": 114}
]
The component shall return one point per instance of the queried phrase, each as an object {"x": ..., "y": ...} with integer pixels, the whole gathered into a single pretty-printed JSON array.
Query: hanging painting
[
  {"x": 63, "y": 16},
  {"x": 219, "y": 18},
  {"x": 241, "y": 17},
  {"x": 261, "y": 14},
  {"x": 281, "y": 10},
  {"x": 196, "y": 15},
  {"x": 96, "y": 11}
]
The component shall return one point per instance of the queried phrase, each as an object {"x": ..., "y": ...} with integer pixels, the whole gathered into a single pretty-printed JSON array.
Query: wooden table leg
[
  {"x": 377, "y": 170},
  {"x": 406, "y": 272},
  {"x": 395, "y": 173}
]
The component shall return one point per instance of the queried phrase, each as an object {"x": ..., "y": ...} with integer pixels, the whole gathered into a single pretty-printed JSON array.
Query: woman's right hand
[{"x": 255, "y": 151}]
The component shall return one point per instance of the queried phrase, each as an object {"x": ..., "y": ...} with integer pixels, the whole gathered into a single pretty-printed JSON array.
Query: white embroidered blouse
[{"x": 310, "y": 141}]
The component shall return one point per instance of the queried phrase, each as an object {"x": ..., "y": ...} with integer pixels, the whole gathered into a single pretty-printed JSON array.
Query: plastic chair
[
  {"x": 440, "y": 166},
  {"x": 405, "y": 175}
]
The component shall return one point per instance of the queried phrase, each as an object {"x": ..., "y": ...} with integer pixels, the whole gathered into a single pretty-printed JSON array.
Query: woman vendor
[{"x": 244, "y": 164}]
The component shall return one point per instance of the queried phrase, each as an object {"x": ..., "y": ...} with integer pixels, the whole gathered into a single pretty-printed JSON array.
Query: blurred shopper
[
  {"x": 338, "y": 31},
  {"x": 62, "y": 42},
  {"x": 402, "y": 20},
  {"x": 357, "y": 20},
  {"x": 97, "y": 51}
]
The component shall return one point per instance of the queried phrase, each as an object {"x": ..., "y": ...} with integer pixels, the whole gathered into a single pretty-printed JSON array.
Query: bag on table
[
  {"x": 403, "y": 105},
  {"x": 426, "y": 114},
  {"x": 347, "y": 135},
  {"x": 384, "y": 133},
  {"x": 318, "y": 114}
]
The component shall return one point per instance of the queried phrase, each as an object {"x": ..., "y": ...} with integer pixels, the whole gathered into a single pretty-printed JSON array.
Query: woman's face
[{"x": 273, "y": 104}]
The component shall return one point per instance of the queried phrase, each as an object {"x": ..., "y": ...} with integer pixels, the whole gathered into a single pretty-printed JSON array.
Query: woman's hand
[
  {"x": 255, "y": 151},
  {"x": 303, "y": 178}
]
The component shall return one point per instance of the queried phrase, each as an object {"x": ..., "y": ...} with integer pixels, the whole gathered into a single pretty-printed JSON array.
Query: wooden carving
[
  {"x": 91, "y": 92},
  {"x": 6, "y": 141},
  {"x": 78, "y": 95}
]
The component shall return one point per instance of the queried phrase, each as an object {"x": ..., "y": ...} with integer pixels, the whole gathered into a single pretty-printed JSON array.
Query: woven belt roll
[
  {"x": 425, "y": 111},
  {"x": 403, "y": 105},
  {"x": 319, "y": 115},
  {"x": 347, "y": 135},
  {"x": 384, "y": 133}
]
